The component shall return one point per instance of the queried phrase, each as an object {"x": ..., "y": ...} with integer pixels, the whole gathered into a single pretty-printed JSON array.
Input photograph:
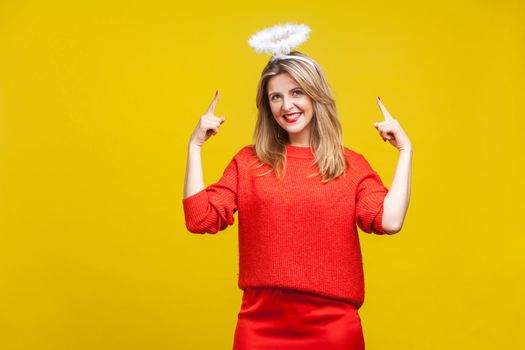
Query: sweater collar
[{"x": 299, "y": 152}]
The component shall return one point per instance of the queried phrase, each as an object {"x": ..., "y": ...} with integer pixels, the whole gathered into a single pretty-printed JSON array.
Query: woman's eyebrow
[{"x": 297, "y": 87}]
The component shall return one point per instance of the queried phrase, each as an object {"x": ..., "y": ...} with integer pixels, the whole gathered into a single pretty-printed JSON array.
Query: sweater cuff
[
  {"x": 378, "y": 222},
  {"x": 195, "y": 205}
]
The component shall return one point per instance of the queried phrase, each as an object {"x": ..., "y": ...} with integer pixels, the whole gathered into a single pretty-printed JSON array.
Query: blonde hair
[{"x": 270, "y": 139}]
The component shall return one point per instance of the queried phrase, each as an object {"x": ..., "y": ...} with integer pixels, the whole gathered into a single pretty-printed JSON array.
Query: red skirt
[{"x": 285, "y": 319}]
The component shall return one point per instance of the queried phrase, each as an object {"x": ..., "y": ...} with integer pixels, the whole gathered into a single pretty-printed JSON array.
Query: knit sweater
[{"x": 298, "y": 233}]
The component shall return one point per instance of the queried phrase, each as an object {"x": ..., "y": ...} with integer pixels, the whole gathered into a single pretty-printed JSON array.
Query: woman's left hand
[{"x": 391, "y": 130}]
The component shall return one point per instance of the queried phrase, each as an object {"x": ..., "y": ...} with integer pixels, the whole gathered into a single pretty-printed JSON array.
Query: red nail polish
[
  {"x": 379, "y": 98},
  {"x": 216, "y": 92}
]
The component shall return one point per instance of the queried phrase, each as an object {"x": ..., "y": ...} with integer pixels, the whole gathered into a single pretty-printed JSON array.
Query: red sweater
[{"x": 298, "y": 233}]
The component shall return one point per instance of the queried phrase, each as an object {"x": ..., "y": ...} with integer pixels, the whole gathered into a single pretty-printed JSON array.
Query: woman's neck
[{"x": 299, "y": 140}]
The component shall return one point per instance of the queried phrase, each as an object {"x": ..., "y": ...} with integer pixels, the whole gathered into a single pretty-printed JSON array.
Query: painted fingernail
[{"x": 379, "y": 98}]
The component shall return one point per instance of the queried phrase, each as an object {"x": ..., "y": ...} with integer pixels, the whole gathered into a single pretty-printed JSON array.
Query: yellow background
[{"x": 98, "y": 101}]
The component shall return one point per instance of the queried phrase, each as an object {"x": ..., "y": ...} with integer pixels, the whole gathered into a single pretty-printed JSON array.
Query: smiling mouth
[
  {"x": 292, "y": 118},
  {"x": 292, "y": 115}
]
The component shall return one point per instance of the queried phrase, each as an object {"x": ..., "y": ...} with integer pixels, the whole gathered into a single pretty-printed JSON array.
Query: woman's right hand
[{"x": 208, "y": 124}]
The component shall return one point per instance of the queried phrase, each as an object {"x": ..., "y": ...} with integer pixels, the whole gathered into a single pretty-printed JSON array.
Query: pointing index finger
[
  {"x": 211, "y": 108},
  {"x": 385, "y": 112}
]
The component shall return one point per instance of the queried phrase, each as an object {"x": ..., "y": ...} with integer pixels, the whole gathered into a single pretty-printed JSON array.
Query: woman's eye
[{"x": 299, "y": 92}]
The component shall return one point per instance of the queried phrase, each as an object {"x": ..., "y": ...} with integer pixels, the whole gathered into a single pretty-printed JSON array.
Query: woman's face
[{"x": 291, "y": 107}]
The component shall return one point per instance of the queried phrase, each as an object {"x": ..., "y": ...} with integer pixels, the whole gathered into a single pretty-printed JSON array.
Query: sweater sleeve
[
  {"x": 370, "y": 195},
  {"x": 211, "y": 209}
]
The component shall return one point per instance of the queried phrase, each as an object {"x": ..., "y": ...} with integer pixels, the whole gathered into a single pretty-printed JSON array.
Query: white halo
[{"x": 279, "y": 39}]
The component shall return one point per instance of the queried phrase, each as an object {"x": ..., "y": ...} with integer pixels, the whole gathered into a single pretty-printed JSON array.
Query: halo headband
[{"x": 279, "y": 40}]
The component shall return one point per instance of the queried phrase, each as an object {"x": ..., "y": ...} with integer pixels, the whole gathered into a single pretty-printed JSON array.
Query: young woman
[{"x": 299, "y": 194}]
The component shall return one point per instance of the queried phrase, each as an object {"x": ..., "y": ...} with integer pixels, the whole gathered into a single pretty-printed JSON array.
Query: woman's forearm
[
  {"x": 395, "y": 205},
  {"x": 194, "y": 181}
]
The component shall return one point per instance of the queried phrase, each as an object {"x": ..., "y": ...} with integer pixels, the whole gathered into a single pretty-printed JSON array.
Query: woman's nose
[{"x": 287, "y": 104}]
